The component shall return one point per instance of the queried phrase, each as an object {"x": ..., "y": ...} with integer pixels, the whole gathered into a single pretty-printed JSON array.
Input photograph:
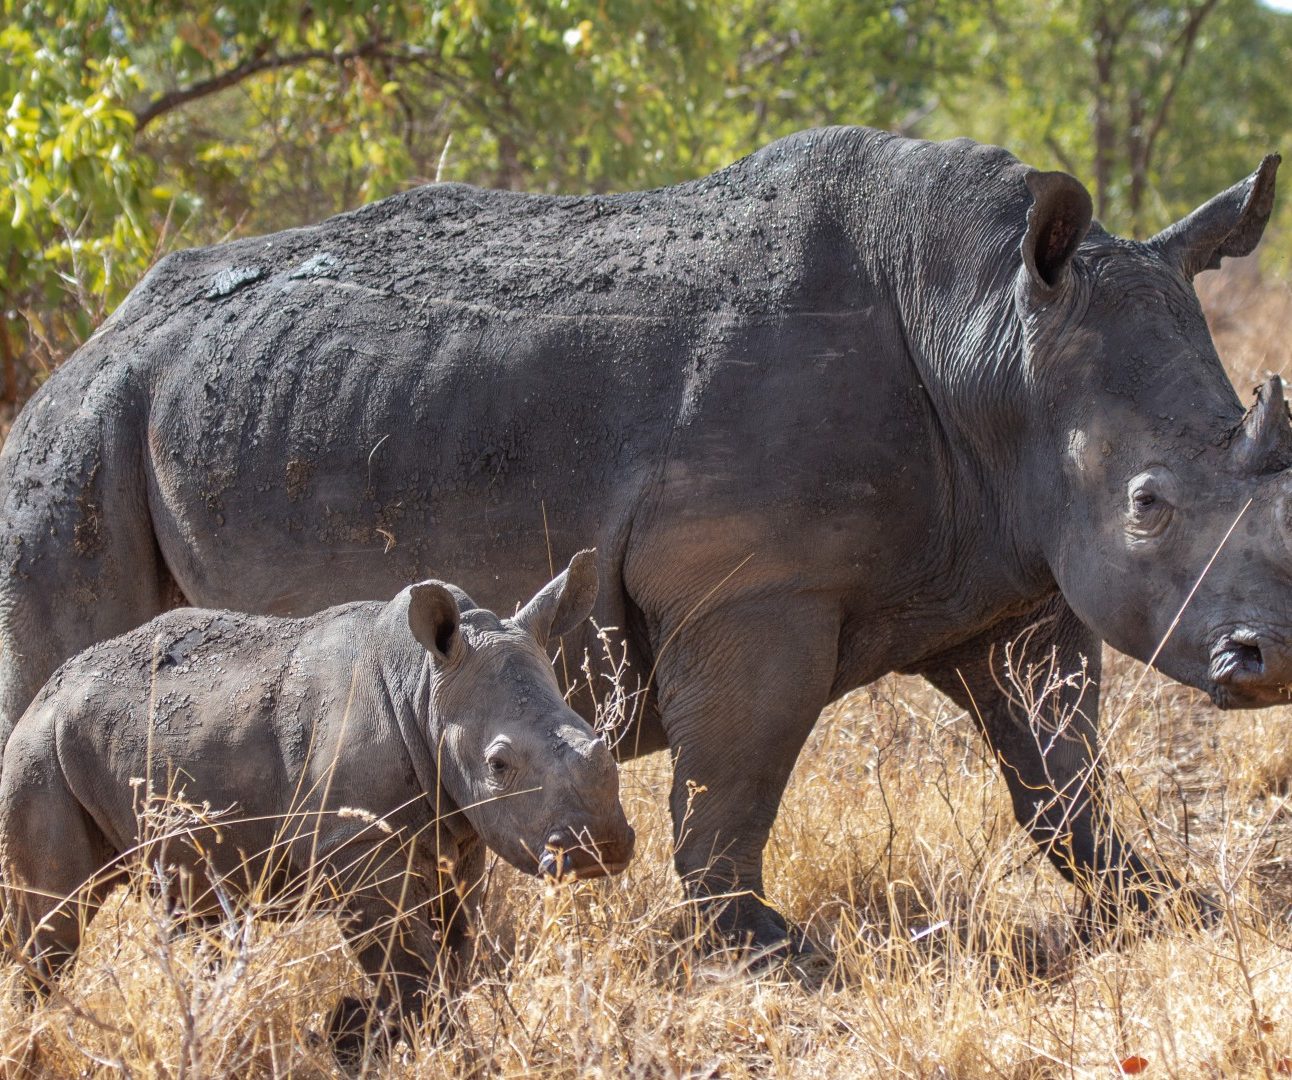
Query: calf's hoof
[{"x": 357, "y": 1029}]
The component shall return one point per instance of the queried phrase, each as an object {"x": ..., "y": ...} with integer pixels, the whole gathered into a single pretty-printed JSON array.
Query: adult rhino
[{"x": 854, "y": 404}]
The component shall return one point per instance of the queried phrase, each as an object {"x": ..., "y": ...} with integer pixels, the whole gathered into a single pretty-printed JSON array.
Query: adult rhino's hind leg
[
  {"x": 78, "y": 558},
  {"x": 1033, "y": 687}
]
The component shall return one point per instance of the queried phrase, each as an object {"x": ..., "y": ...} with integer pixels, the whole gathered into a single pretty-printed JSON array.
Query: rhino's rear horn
[{"x": 1263, "y": 441}]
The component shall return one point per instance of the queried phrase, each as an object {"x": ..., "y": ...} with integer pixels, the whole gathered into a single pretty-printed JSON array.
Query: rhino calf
[{"x": 378, "y": 744}]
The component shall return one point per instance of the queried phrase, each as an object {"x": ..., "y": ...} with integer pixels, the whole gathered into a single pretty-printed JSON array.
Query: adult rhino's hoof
[
  {"x": 747, "y": 932},
  {"x": 1199, "y": 908},
  {"x": 1115, "y": 918}
]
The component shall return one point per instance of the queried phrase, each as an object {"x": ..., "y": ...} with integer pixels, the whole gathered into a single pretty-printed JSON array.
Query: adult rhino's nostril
[
  {"x": 1237, "y": 656},
  {"x": 1249, "y": 658}
]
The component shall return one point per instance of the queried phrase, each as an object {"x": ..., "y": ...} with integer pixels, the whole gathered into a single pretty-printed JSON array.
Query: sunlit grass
[{"x": 949, "y": 948}]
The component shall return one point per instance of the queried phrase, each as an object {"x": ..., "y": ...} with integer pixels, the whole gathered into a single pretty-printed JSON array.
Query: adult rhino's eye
[{"x": 1149, "y": 511}]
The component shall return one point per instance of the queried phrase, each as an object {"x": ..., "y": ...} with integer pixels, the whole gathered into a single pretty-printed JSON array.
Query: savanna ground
[{"x": 950, "y": 947}]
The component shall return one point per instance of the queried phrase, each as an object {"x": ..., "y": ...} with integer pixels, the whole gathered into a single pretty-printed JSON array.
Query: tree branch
[
  {"x": 1060, "y": 155},
  {"x": 260, "y": 60},
  {"x": 1187, "y": 40}
]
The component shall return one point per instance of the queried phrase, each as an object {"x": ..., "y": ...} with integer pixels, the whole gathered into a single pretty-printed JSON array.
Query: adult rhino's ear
[
  {"x": 433, "y": 618},
  {"x": 1056, "y": 224},
  {"x": 1230, "y": 225},
  {"x": 564, "y": 602}
]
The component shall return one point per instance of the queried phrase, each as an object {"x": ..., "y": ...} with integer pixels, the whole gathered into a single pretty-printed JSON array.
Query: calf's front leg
[{"x": 409, "y": 933}]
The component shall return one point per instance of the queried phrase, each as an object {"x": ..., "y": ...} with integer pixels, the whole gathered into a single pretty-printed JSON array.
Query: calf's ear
[
  {"x": 433, "y": 618},
  {"x": 564, "y": 602},
  {"x": 1229, "y": 225},
  {"x": 1056, "y": 224}
]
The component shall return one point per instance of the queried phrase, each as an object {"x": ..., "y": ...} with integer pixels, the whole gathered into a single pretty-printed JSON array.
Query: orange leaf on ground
[{"x": 1130, "y": 1066}]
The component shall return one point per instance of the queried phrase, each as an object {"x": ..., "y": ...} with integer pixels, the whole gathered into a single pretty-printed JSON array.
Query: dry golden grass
[
  {"x": 950, "y": 947},
  {"x": 1250, "y": 315}
]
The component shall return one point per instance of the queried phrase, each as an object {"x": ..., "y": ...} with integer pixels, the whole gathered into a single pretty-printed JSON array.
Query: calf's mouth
[{"x": 565, "y": 858}]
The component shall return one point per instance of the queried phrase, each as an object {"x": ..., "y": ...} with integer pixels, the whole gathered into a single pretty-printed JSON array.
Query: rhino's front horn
[{"x": 1263, "y": 442}]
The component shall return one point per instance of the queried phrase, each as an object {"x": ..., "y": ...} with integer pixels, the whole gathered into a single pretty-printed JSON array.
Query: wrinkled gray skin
[
  {"x": 428, "y": 713},
  {"x": 854, "y": 404}
]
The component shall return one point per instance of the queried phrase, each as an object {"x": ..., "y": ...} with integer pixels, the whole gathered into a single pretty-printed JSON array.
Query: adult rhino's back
[
  {"x": 387, "y": 393},
  {"x": 443, "y": 377},
  {"x": 655, "y": 254}
]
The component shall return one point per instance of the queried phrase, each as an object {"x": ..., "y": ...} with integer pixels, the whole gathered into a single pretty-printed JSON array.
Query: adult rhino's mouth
[{"x": 1241, "y": 673}]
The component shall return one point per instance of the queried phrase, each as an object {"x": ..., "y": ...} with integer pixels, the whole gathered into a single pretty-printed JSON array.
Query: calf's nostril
[
  {"x": 561, "y": 840},
  {"x": 555, "y": 863}
]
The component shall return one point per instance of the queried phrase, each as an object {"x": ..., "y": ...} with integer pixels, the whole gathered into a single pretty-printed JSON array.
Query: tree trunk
[
  {"x": 1105, "y": 42},
  {"x": 1137, "y": 152},
  {"x": 9, "y": 393},
  {"x": 508, "y": 172}
]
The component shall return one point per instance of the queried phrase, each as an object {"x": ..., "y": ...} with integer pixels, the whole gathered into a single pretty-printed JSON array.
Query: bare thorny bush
[
  {"x": 161, "y": 987},
  {"x": 950, "y": 948}
]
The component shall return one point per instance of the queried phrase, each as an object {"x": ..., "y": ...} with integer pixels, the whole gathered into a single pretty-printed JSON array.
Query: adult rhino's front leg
[
  {"x": 1033, "y": 688},
  {"x": 739, "y": 688}
]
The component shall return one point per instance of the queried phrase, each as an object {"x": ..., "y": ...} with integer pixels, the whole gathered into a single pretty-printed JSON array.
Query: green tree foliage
[
  {"x": 133, "y": 127},
  {"x": 548, "y": 95},
  {"x": 79, "y": 210},
  {"x": 1155, "y": 103}
]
